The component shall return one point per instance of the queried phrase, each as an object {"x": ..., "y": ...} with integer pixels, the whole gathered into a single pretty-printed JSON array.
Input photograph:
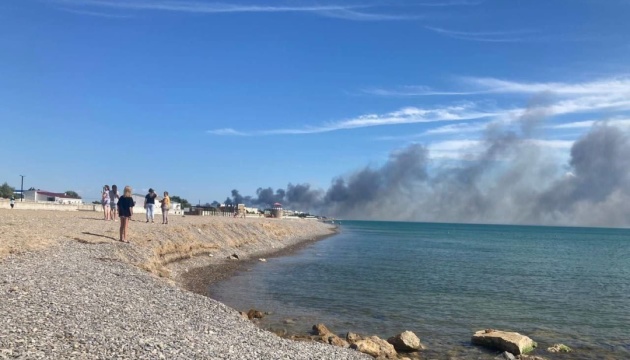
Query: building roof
[{"x": 59, "y": 195}]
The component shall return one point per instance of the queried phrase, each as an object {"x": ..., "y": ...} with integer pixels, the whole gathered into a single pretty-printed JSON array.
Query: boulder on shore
[
  {"x": 255, "y": 314},
  {"x": 375, "y": 346},
  {"x": 406, "y": 341},
  {"x": 512, "y": 342},
  {"x": 352, "y": 337},
  {"x": 320, "y": 329}
]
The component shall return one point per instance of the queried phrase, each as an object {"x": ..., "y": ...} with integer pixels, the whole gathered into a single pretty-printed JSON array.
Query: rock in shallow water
[{"x": 512, "y": 342}]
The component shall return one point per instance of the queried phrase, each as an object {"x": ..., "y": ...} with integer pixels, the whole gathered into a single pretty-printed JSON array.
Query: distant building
[{"x": 51, "y": 197}]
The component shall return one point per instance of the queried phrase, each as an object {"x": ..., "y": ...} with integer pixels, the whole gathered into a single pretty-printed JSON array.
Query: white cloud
[
  {"x": 471, "y": 148},
  {"x": 415, "y": 91},
  {"x": 347, "y": 12},
  {"x": 95, "y": 13},
  {"x": 618, "y": 122},
  {"x": 611, "y": 96},
  {"x": 226, "y": 131},
  {"x": 601, "y": 86},
  {"x": 486, "y": 36},
  {"x": 456, "y": 129},
  {"x": 450, "y": 3},
  {"x": 408, "y": 115}
]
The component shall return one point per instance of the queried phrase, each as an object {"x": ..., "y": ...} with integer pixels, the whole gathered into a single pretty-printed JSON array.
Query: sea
[{"x": 444, "y": 282}]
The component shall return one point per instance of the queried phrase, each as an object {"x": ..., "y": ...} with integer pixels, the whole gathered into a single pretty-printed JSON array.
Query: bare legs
[
  {"x": 106, "y": 211},
  {"x": 124, "y": 224},
  {"x": 164, "y": 216},
  {"x": 113, "y": 212}
]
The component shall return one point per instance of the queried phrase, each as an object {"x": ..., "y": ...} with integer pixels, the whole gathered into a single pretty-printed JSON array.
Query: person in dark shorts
[
  {"x": 125, "y": 211},
  {"x": 113, "y": 201}
]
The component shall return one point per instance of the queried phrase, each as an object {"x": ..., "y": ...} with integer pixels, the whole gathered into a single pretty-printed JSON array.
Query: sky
[{"x": 432, "y": 110}]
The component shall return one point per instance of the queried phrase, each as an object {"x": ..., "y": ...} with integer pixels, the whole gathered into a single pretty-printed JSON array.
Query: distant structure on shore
[{"x": 50, "y": 197}]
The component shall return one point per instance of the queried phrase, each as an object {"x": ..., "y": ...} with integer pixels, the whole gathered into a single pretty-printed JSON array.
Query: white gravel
[{"x": 78, "y": 301}]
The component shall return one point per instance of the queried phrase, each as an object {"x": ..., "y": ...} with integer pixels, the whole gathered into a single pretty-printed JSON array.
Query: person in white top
[{"x": 106, "y": 202}]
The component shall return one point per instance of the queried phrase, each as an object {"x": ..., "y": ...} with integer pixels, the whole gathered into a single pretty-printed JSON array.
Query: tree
[
  {"x": 6, "y": 191},
  {"x": 72, "y": 194},
  {"x": 184, "y": 202}
]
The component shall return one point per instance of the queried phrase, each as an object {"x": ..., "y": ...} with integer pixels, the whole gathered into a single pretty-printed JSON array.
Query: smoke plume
[{"x": 512, "y": 180}]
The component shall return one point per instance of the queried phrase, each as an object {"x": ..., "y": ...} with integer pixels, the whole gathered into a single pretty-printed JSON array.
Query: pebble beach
[{"x": 69, "y": 289}]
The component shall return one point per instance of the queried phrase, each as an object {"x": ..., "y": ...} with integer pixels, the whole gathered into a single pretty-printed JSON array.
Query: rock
[
  {"x": 406, "y": 342},
  {"x": 556, "y": 348},
  {"x": 352, "y": 337},
  {"x": 335, "y": 340},
  {"x": 289, "y": 321},
  {"x": 530, "y": 357},
  {"x": 301, "y": 338},
  {"x": 512, "y": 342},
  {"x": 505, "y": 356},
  {"x": 279, "y": 332},
  {"x": 255, "y": 314},
  {"x": 367, "y": 347},
  {"x": 320, "y": 329},
  {"x": 233, "y": 257},
  {"x": 244, "y": 315},
  {"x": 375, "y": 346},
  {"x": 262, "y": 260}
]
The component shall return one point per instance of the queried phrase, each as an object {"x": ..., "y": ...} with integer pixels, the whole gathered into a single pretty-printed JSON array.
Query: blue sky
[{"x": 200, "y": 97}]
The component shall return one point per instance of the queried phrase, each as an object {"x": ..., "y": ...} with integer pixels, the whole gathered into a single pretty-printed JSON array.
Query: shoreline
[
  {"x": 195, "y": 276},
  {"x": 69, "y": 289}
]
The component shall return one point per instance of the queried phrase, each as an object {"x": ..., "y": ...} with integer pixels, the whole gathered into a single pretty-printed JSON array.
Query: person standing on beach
[
  {"x": 12, "y": 202},
  {"x": 166, "y": 205},
  {"x": 149, "y": 204},
  {"x": 113, "y": 198},
  {"x": 125, "y": 211},
  {"x": 105, "y": 200}
]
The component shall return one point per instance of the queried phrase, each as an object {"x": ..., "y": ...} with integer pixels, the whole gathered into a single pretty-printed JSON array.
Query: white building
[{"x": 50, "y": 197}]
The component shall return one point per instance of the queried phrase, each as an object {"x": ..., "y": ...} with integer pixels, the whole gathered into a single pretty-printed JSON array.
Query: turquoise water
[{"x": 446, "y": 281}]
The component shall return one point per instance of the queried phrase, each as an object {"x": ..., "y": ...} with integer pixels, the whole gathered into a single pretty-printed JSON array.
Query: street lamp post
[{"x": 22, "y": 189}]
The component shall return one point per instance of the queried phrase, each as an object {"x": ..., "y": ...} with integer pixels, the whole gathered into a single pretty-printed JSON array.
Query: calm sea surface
[{"x": 446, "y": 281}]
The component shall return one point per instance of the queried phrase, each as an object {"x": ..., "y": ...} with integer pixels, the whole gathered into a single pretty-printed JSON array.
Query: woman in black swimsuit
[{"x": 125, "y": 211}]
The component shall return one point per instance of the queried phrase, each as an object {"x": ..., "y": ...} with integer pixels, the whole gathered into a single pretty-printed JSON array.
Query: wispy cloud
[
  {"x": 558, "y": 99},
  {"x": 227, "y": 131},
  {"x": 347, "y": 12},
  {"x": 408, "y": 115},
  {"x": 470, "y": 148},
  {"x": 586, "y": 124},
  {"x": 95, "y": 13},
  {"x": 600, "y": 86},
  {"x": 564, "y": 98},
  {"x": 486, "y": 36},
  {"x": 415, "y": 91},
  {"x": 449, "y": 3}
]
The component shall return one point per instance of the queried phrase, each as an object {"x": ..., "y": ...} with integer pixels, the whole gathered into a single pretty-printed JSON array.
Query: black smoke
[{"x": 511, "y": 180}]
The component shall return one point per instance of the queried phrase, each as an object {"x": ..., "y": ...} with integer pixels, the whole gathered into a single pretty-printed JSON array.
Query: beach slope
[{"x": 68, "y": 289}]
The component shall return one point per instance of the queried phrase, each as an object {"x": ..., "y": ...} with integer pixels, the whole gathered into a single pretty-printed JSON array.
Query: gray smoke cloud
[{"x": 513, "y": 180}]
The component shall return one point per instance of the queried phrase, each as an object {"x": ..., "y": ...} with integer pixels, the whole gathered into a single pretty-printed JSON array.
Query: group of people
[
  {"x": 149, "y": 205},
  {"x": 123, "y": 205}
]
